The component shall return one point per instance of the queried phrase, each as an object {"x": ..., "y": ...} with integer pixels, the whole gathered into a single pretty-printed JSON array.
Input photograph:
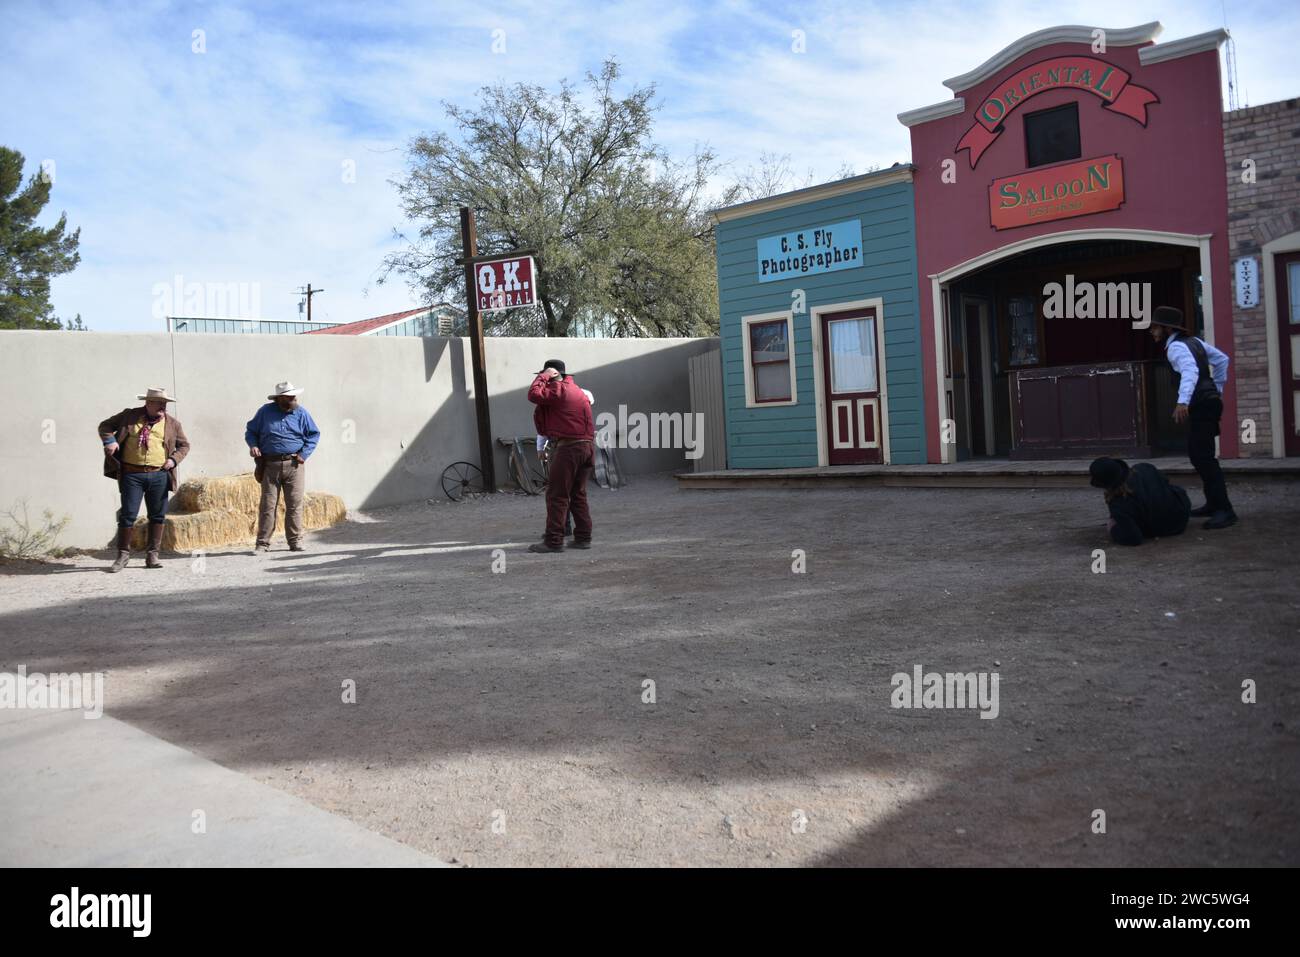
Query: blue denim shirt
[{"x": 276, "y": 432}]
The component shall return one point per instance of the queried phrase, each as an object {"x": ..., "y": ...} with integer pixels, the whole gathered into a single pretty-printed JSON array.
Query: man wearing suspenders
[{"x": 1202, "y": 371}]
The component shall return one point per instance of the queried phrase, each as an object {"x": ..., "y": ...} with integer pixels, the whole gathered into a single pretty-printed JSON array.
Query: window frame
[
  {"x": 751, "y": 390},
  {"x": 1073, "y": 107},
  {"x": 1039, "y": 345}
]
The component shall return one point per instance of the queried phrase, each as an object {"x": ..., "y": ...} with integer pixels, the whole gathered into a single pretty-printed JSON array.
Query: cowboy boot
[
  {"x": 155, "y": 542},
  {"x": 123, "y": 550}
]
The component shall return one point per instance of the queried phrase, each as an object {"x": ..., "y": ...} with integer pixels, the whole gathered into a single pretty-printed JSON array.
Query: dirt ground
[{"x": 500, "y": 717}]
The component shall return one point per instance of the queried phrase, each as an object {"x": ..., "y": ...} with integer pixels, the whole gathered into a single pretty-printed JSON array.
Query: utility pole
[
  {"x": 309, "y": 292},
  {"x": 469, "y": 250}
]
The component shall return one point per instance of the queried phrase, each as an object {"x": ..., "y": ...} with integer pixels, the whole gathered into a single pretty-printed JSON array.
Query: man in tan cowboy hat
[
  {"x": 142, "y": 447},
  {"x": 281, "y": 437}
]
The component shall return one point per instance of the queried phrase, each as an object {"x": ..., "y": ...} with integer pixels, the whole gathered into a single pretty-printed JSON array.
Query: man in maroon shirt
[{"x": 564, "y": 415}]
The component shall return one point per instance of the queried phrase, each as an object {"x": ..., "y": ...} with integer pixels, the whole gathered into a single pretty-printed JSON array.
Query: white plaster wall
[{"x": 408, "y": 402}]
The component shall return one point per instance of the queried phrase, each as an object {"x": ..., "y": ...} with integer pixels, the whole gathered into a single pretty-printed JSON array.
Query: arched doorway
[{"x": 1019, "y": 377}]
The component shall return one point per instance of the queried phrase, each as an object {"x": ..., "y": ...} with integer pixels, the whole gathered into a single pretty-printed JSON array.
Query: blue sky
[{"x": 227, "y": 166}]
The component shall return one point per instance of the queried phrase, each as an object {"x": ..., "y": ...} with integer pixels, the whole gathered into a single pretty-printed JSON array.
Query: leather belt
[
  {"x": 280, "y": 456},
  {"x": 570, "y": 441},
  {"x": 127, "y": 467}
]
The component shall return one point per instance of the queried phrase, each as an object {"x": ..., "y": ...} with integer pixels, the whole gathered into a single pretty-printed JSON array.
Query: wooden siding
[{"x": 786, "y": 436}]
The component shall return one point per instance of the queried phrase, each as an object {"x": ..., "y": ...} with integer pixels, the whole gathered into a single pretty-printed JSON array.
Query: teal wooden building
[{"x": 821, "y": 343}]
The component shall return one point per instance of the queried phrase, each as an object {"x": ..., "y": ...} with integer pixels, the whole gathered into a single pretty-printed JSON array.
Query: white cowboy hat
[
  {"x": 284, "y": 388},
  {"x": 158, "y": 395}
]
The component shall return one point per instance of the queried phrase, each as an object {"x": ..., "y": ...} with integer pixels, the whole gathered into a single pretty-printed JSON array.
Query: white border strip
[
  {"x": 898, "y": 173},
  {"x": 1074, "y": 33},
  {"x": 1133, "y": 36},
  {"x": 838, "y": 441},
  {"x": 936, "y": 111},
  {"x": 1289, "y": 243},
  {"x": 862, "y": 424},
  {"x": 1200, "y": 43}
]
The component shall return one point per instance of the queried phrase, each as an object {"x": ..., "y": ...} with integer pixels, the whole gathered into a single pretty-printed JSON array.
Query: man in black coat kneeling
[{"x": 1142, "y": 502}]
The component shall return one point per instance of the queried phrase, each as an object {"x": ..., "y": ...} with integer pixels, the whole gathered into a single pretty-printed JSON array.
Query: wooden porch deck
[{"x": 979, "y": 473}]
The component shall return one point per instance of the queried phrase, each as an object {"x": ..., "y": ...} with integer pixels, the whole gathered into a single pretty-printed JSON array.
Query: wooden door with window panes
[{"x": 851, "y": 372}]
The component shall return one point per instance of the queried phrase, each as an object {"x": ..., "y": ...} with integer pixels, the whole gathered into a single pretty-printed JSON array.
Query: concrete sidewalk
[{"x": 80, "y": 792}]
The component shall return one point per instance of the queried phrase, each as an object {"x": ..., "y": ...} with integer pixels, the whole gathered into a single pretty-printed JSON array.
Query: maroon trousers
[{"x": 566, "y": 490}]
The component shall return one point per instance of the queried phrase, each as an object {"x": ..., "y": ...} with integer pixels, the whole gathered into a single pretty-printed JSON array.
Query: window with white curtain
[{"x": 853, "y": 354}]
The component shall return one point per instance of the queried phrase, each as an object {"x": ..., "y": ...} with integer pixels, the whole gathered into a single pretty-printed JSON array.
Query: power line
[{"x": 309, "y": 292}]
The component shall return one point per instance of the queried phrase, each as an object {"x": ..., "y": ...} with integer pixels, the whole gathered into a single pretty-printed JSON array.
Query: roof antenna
[{"x": 1230, "y": 49}]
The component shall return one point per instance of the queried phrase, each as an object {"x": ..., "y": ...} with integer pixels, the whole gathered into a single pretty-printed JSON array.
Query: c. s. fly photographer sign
[{"x": 809, "y": 251}]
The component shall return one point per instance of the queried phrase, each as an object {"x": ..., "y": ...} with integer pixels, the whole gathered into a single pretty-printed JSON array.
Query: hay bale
[
  {"x": 238, "y": 492},
  {"x": 217, "y": 512},
  {"x": 215, "y": 528},
  {"x": 223, "y": 527},
  {"x": 320, "y": 510}
]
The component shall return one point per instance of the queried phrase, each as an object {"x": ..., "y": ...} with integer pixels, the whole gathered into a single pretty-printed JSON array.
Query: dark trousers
[
  {"x": 149, "y": 487},
  {"x": 568, "y": 518},
  {"x": 566, "y": 488},
  {"x": 1203, "y": 425}
]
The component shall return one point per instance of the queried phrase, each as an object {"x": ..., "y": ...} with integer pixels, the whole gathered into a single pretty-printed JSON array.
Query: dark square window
[{"x": 1052, "y": 136}]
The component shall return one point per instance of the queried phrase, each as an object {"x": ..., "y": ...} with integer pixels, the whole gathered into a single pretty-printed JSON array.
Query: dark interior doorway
[{"x": 1016, "y": 335}]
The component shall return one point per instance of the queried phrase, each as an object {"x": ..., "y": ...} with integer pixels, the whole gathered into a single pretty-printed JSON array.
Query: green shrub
[{"x": 20, "y": 537}]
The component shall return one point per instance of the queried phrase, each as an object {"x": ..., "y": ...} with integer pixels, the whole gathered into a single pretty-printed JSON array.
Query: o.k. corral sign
[
  {"x": 810, "y": 251},
  {"x": 1057, "y": 192},
  {"x": 505, "y": 283}
]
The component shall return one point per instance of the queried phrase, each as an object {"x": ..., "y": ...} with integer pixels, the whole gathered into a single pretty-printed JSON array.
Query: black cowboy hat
[
  {"x": 556, "y": 364},
  {"x": 1107, "y": 472},
  {"x": 1169, "y": 316}
]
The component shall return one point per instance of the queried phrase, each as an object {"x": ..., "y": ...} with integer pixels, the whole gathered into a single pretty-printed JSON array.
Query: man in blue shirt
[
  {"x": 1202, "y": 371},
  {"x": 281, "y": 437}
]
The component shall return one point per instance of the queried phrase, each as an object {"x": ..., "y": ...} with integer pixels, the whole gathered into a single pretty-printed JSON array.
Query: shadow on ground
[{"x": 527, "y": 686}]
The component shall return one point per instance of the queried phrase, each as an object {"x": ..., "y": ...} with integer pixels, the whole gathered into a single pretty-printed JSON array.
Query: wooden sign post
[{"x": 469, "y": 247}]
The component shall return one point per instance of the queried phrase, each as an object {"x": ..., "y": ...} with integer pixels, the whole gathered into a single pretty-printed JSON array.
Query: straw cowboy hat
[
  {"x": 157, "y": 395},
  {"x": 284, "y": 388}
]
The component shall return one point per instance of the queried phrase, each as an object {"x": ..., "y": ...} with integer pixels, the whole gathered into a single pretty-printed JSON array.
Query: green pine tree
[{"x": 29, "y": 255}]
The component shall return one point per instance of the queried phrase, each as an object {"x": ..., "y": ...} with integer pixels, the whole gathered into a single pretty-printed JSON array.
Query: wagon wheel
[
  {"x": 459, "y": 478},
  {"x": 539, "y": 472},
  {"x": 529, "y": 477}
]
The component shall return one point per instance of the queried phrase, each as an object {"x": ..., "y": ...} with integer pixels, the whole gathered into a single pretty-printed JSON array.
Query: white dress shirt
[{"x": 1184, "y": 363}]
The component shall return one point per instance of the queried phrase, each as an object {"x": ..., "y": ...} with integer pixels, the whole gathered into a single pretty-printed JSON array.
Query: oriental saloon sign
[
  {"x": 1057, "y": 192},
  {"x": 1088, "y": 74},
  {"x": 809, "y": 251}
]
